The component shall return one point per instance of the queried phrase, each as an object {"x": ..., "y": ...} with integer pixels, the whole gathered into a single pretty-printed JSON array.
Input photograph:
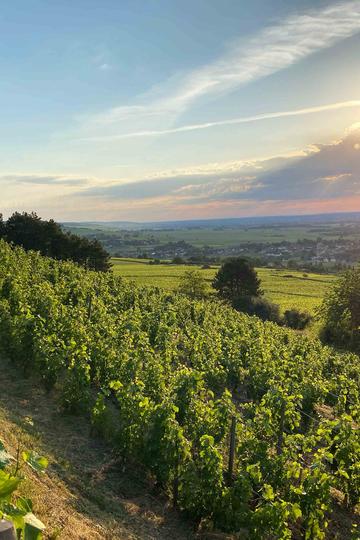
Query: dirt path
[{"x": 84, "y": 495}]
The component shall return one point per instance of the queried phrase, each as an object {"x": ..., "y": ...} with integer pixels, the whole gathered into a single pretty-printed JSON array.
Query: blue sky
[{"x": 147, "y": 110}]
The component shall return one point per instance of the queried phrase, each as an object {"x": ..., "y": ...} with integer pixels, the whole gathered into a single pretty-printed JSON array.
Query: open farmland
[
  {"x": 287, "y": 288},
  {"x": 220, "y": 233}
]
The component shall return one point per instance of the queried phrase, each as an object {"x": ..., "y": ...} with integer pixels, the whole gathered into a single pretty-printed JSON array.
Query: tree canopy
[
  {"x": 237, "y": 278},
  {"x": 32, "y": 233},
  {"x": 340, "y": 311}
]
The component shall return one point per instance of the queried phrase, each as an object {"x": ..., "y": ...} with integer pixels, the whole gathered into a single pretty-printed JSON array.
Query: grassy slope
[
  {"x": 84, "y": 494},
  {"x": 304, "y": 293}
]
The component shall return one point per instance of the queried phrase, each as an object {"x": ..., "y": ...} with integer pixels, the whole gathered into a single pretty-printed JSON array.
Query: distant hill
[{"x": 341, "y": 217}]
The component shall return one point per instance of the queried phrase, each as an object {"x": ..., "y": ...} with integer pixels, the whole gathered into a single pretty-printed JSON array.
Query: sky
[{"x": 149, "y": 110}]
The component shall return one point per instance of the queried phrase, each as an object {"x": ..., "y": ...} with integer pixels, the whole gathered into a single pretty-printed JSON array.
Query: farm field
[
  {"x": 219, "y": 237},
  {"x": 287, "y": 288}
]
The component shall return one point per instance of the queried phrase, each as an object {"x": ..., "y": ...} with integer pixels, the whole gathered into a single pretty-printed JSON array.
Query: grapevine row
[{"x": 162, "y": 377}]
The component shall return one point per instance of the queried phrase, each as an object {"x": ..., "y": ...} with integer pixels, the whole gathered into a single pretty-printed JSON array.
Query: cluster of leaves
[
  {"x": 193, "y": 284},
  {"x": 31, "y": 232},
  {"x": 297, "y": 319},
  {"x": 15, "y": 509},
  {"x": 162, "y": 375},
  {"x": 340, "y": 312}
]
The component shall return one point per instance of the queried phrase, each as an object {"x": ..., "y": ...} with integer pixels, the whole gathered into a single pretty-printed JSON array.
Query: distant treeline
[{"x": 33, "y": 233}]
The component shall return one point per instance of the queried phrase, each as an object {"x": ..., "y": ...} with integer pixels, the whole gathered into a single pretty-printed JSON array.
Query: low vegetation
[
  {"x": 168, "y": 381},
  {"x": 16, "y": 512},
  {"x": 87, "y": 492},
  {"x": 193, "y": 284},
  {"x": 237, "y": 283}
]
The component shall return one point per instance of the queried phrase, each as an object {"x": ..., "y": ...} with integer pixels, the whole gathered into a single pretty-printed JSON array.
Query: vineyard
[
  {"x": 248, "y": 427},
  {"x": 289, "y": 289}
]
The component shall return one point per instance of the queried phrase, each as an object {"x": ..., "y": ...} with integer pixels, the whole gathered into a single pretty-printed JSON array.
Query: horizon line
[{"x": 221, "y": 218}]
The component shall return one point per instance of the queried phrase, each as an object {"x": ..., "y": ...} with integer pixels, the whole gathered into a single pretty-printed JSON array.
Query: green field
[
  {"x": 289, "y": 289},
  {"x": 219, "y": 237}
]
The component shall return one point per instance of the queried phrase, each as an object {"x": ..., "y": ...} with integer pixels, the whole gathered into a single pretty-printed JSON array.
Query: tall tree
[
  {"x": 237, "y": 278},
  {"x": 2, "y": 226},
  {"x": 340, "y": 311}
]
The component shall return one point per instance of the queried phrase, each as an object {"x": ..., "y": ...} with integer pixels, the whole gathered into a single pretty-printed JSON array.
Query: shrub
[
  {"x": 261, "y": 307},
  {"x": 178, "y": 260},
  {"x": 297, "y": 319},
  {"x": 193, "y": 284}
]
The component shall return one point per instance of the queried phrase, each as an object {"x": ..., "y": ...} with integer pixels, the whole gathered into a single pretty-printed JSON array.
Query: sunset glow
[{"x": 176, "y": 110}]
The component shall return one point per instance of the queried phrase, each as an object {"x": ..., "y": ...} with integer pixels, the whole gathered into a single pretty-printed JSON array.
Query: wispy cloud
[
  {"x": 229, "y": 122},
  {"x": 320, "y": 171},
  {"x": 271, "y": 50},
  {"x": 320, "y": 178},
  {"x": 101, "y": 59},
  {"x": 197, "y": 180},
  {"x": 334, "y": 177},
  {"x": 44, "y": 179},
  {"x": 105, "y": 67}
]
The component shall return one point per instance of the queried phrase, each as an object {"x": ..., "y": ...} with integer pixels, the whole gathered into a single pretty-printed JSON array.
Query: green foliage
[
  {"x": 261, "y": 307},
  {"x": 309, "y": 292},
  {"x": 340, "y": 311},
  {"x": 235, "y": 279},
  {"x": 346, "y": 459},
  {"x": 17, "y": 509},
  {"x": 193, "y": 284},
  {"x": 33, "y": 233},
  {"x": 297, "y": 319},
  {"x": 162, "y": 375}
]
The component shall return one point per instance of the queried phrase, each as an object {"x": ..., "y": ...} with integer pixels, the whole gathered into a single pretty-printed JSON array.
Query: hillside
[
  {"x": 288, "y": 288},
  {"x": 168, "y": 382}
]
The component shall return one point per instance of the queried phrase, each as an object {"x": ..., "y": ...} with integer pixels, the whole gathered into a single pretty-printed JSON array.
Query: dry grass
[{"x": 85, "y": 494}]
